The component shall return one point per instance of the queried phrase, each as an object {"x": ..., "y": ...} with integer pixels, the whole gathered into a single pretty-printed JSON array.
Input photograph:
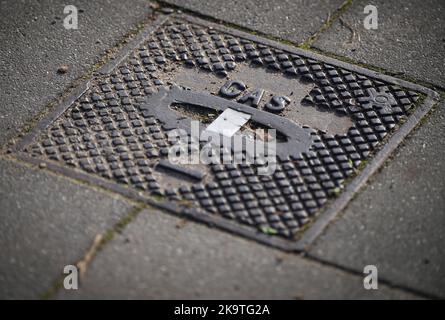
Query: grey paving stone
[
  {"x": 46, "y": 222},
  {"x": 294, "y": 20},
  {"x": 153, "y": 258},
  {"x": 397, "y": 222},
  {"x": 34, "y": 44},
  {"x": 410, "y": 38}
]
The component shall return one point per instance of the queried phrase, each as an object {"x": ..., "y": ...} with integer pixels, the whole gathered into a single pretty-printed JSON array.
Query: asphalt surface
[
  {"x": 409, "y": 40},
  {"x": 293, "y": 20},
  {"x": 397, "y": 222},
  {"x": 48, "y": 221},
  {"x": 35, "y": 44}
]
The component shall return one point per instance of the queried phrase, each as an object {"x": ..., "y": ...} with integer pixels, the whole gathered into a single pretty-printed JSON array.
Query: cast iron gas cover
[{"x": 338, "y": 123}]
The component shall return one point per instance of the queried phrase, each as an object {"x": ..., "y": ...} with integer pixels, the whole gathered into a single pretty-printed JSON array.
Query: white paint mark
[{"x": 229, "y": 122}]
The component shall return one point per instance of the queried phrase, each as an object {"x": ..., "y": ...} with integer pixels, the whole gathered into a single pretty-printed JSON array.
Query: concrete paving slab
[
  {"x": 397, "y": 222},
  {"x": 46, "y": 222},
  {"x": 159, "y": 256},
  {"x": 35, "y": 44},
  {"x": 410, "y": 39},
  {"x": 294, "y": 20}
]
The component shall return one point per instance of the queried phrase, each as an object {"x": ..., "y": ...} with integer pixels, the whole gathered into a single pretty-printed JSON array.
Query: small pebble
[
  {"x": 42, "y": 165},
  {"x": 63, "y": 69},
  {"x": 167, "y": 10}
]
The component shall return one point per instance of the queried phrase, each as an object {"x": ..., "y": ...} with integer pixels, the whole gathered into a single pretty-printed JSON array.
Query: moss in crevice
[
  {"x": 88, "y": 75},
  {"x": 327, "y": 24},
  {"x": 107, "y": 237},
  {"x": 380, "y": 70},
  {"x": 307, "y": 44}
]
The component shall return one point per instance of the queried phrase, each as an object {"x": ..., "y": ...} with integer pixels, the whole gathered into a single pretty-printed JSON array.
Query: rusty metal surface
[{"x": 333, "y": 116}]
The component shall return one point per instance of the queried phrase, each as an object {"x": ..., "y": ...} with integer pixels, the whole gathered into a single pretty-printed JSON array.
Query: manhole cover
[{"x": 335, "y": 124}]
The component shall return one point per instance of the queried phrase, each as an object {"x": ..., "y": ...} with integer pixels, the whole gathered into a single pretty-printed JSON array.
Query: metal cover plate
[{"x": 110, "y": 132}]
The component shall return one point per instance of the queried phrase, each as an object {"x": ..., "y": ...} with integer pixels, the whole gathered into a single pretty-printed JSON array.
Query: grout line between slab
[
  {"x": 381, "y": 280},
  {"x": 108, "y": 236},
  {"x": 345, "y": 6}
]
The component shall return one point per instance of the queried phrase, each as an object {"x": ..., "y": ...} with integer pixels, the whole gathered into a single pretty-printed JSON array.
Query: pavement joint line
[
  {"x": 381, "y": 280},
  {"x": 327, "y": 24},
  {"x": 424, "y": 120},
  {"x": 377, "y": 172},
  {"x": 325, "y": 217},
  {"x": 371, "y": 179},
  {"x": 135, "y": 202},
  {"x": 224, "y": 23},
  {"x": 402, "y": 76},
  {"x": 314, "y": 55},
  {"x": 84, "y": 183},
  {"x": 139, "y": 207},
  {"x": 110, "y": 54},
  {"x": 162, "y": 4},
  {"x": 121, "y": 225},
  {"x": 305, "y": 45},
  {"x": 108, "y": 236}
]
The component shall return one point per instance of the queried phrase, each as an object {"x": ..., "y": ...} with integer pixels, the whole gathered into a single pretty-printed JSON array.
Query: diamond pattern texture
[{"x": 106, "y": 132}]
